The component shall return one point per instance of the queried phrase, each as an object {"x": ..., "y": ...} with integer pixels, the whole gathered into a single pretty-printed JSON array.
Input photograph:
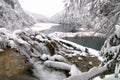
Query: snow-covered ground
[
  {"x": 42, "y": 26},
  {"x": 76, "y": 34}
]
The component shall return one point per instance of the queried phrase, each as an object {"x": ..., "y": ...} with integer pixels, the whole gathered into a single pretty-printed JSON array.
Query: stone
[{"x": 13, "y": 66}]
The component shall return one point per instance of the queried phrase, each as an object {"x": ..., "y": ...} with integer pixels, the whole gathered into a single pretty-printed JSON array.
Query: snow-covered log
[
  {"x": 57, "y": 65},
  {"x": 78, "y": 47},
  {"x": 93, "y": 72}
]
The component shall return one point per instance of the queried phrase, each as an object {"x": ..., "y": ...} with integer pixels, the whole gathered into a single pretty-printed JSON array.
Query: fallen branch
[
  {"x": 57, "y": 65},
  {"x": 90, "y": 74}
]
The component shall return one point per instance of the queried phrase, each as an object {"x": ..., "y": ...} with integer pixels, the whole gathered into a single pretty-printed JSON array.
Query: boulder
[{"x": 13, "y": 66}]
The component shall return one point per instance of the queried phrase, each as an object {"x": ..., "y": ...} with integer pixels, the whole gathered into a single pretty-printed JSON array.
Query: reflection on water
[{"x": 92, "y": 42}]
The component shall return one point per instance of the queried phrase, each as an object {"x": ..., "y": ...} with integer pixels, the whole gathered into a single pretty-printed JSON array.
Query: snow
[
  {"x": 84, "y": 54},
  {"x": 79, "y": 58},
  {"x": 90, "y": 50},
  {"x": 117, "y": 69},
  {"x": 45, "y": 57},
  {"x": 87, "y": 75},
  {"x": 74, "y": 70},
  {"x": 41, "y": 69},
  {"x": 12, "y": 44},
  {"x": 90, "y": 74},
  {"x": 77, "y": 77},
  {"x": 70, "y": 34},
  {"x": 42, "y": 26},
  {"x": 53, "y": 58},
  {"x": 74, "y": 44},
  {"x": 1, "y": 50},
  {"x": 57, "y": 65},
  {"x": 117, "y": 30},
  {"x": 90, "y": 63},
  {"x": 21, "y": 41},
  {"x": 44, "y": 73},
  {"x": 58, "y": 58},
  {"x": 17, "y": 31},
  {"x": 38, "y": 37}
]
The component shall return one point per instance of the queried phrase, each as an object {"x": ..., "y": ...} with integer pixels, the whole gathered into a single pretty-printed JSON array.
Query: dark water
[{"x": 92, "y": 42}]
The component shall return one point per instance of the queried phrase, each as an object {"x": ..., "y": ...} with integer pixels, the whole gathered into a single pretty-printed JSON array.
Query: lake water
[{"x": 92, "y": 42}]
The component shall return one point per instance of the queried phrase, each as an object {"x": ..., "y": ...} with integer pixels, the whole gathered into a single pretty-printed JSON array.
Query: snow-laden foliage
[
  {"x": 12, "y": 15},
  {"x": 59, "y": 17},
  {"x": 75, "y": 13},
  {"x": 102, "y": 15},
  {"x": 108, "y": 13},
  {"x": 111, "y": 51}
]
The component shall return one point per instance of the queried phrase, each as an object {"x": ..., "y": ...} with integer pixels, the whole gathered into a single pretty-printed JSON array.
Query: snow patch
[
  {"x": 42, "y": 26},
  {"x": 74, "y": 70},
  {"x": 58, "y": 58},
  {"x": 57, "y": 65},
  {"x": 117, "y": 30}
]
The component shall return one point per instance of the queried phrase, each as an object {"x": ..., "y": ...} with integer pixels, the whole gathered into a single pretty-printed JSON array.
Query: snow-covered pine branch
[{"x": 111, "y": 50}]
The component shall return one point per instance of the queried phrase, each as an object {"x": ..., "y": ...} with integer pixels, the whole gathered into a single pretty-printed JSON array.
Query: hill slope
[{"x": 12, "y": 15}]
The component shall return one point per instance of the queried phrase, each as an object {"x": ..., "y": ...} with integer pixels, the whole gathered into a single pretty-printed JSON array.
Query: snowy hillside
[
  {"x": 12, "y": 15},
  {"x": 38, "y": 17}
]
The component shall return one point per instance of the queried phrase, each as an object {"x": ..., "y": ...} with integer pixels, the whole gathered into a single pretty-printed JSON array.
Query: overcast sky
[{"x": 45, "y": 7}]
